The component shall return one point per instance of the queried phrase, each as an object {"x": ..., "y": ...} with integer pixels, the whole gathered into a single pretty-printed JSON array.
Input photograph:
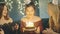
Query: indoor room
[{"x": 29, "y": 16}]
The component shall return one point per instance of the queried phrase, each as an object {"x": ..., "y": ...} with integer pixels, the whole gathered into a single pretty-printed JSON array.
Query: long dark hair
[{"x": 1, "y": 11}]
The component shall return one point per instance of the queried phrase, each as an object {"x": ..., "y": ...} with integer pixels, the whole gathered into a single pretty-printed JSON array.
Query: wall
[
  {"x": 16, "y": 15},
  {"x": 43, "y": 8},
  {"x": 50, "y": 0},
  {"x": 59, "y": 2}
]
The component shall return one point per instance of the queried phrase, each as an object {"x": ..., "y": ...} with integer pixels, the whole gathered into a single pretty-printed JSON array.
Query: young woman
[
  {"x": 4, "y": 17},
  {"x": 30, "y": 17}
]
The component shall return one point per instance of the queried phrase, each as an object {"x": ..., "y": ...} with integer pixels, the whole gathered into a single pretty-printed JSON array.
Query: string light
[
  {"x": 27, "y": 1},
  {"x": 5, "y": 0},
  {"x": 9, "y": 3},
  {"x": 21, "y": 5},
  {"x": 19, "y": 2},
  {"x": 36, "y": 2}
]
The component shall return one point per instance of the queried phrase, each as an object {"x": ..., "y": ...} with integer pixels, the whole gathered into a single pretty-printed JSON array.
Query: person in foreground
[{"x": 31, "y": 22}]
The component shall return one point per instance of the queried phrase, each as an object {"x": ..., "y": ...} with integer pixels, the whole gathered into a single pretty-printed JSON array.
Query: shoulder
[
  {"x": 10, "y": 19},
  {"x": 37, "y": 18},
  {"x": 23, "y": 19}
]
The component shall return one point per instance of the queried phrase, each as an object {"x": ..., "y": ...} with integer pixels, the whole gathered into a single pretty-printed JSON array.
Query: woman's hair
[
  {"x": 30, "y": 4},
  {"x": 1, "y": 11}
]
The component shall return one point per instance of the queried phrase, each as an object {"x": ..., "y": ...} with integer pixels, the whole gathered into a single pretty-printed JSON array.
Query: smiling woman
[
  {"x": 31, "y": 22},
  {"x": 4, "y": 17}
]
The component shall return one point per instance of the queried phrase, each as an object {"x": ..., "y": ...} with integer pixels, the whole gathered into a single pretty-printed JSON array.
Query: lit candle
[{"x": 29, "y": 24}]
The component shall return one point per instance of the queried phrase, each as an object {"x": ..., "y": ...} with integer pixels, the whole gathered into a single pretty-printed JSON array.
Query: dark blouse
[{"x": 7, "y": 28}]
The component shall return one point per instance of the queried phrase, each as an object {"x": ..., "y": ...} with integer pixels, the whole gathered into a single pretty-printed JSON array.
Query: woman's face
[
  {"x": 4, "y": 11},
  {"x": 30, "y": 11}
]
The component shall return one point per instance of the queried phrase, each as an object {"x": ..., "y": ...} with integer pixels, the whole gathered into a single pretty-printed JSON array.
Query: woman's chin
[{"x": 4, "y": 15}]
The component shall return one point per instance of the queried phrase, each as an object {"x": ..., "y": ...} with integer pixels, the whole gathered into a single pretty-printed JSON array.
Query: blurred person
[
  {"x": 15, "y": 29},
  {"x": 31, "y": 19},
  {"x": 4, "y": 17}
]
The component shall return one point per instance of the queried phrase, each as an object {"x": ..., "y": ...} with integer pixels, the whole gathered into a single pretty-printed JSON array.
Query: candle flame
[{"x": 29, "y": 24}]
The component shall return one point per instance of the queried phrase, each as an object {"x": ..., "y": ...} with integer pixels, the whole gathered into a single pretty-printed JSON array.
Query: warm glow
[{"x": 29, "y": 24}]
